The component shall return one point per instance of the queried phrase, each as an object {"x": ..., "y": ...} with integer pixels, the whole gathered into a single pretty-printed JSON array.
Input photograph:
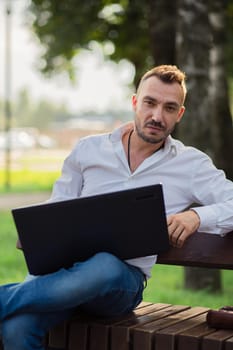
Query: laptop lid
[{"x": 128, "y": 224}]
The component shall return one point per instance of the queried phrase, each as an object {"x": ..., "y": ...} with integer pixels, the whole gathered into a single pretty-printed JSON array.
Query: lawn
[
  {"x": 34, "y": 170},
  {"x": 27, "y": 180},
  {"x": 165, "y": 285},
  {"x": 12, "y": 265}
]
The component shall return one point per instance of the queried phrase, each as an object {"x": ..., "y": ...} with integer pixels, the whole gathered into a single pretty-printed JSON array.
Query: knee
[
  {"x": 17, "y": 334},
  {"x": 111, "y": 268}
]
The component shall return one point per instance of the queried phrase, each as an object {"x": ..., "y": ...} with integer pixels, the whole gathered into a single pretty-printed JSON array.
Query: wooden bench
[{"x": 157, "y": 326}]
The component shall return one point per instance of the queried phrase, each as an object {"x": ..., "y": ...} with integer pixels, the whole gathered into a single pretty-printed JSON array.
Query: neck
[
  {"x": 138, "y": 150},
  {"x": 141, "y": 145}
]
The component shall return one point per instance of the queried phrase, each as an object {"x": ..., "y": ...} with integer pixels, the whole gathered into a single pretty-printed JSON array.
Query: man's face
[{"x": 158, "y": 107}]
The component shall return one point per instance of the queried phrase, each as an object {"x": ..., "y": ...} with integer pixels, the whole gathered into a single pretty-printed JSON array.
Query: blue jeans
[{"x": 102, "y": 285}]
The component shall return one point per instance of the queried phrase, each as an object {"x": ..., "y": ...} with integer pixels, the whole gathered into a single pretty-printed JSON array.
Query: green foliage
[{"x": 65, "y": 27}]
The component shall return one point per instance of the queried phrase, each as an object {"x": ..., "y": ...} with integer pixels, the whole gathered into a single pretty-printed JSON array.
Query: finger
[
  {"x": 169, "y": 220},
  {"x": 172, "y": 225},
  {"x": 180, "y": 240},
  {"x": 175, "y": 235}
]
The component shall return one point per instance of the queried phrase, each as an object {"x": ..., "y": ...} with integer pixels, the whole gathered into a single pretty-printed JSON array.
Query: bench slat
[
  {"x": 78, "y": 335},
  {"x": 165, "y": 337},
  {"x": 57, "y": 337},
  {"x": 229, "y": 344},
  {"x": 191, "y": 338},
  {"x": 215, "y": 341},
  {"x": 122, "y": 334}
]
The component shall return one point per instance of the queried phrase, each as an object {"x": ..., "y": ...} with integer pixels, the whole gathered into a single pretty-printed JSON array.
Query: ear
[
  {"x": 180, "y": 114},
  {"x": 134, "y": 101}
]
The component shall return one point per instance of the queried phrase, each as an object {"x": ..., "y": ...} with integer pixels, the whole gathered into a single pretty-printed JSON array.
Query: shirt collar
[{"x": 116, "y": 136}]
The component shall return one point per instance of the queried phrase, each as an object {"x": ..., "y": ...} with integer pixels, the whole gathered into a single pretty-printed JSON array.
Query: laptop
[{"x": 128, "y": 224}]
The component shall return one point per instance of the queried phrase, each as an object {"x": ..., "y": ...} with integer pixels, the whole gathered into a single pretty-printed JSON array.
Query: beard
[{"x": 153, "y": 138}]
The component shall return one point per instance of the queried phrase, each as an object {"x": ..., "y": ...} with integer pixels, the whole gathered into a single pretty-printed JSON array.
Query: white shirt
[{"x": 98, "y": 164}]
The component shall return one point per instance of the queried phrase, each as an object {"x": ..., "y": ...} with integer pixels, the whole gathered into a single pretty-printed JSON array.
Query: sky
[{"x": 100, "y": 85}]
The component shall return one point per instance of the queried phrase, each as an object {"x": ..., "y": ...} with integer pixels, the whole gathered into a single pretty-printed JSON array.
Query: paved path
[{"x": 14, "y": 200}]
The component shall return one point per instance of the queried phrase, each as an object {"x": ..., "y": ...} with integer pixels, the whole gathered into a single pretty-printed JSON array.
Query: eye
[
  {"x": 171, "y": 108},
  {"x": 149, "y": 103}
]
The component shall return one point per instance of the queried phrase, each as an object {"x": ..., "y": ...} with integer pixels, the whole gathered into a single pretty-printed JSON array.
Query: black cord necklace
[{"x": 128, "y": 150}]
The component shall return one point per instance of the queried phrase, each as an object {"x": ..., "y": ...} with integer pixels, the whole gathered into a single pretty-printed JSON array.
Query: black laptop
[{"x": 128, "y": 224}]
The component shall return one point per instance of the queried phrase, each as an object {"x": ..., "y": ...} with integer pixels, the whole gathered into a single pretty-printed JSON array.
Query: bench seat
[{"x": 149, "y": 327}]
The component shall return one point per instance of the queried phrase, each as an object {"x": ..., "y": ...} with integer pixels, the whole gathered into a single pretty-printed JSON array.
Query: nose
[{"x": 157, "y": 113}]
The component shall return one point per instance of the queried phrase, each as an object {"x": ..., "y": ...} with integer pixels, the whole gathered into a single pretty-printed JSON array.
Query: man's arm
[{"x": 181, "y": 226}]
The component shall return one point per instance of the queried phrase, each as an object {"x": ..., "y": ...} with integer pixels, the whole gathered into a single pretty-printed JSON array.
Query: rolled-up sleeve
[{"x": 215, "y": 194}]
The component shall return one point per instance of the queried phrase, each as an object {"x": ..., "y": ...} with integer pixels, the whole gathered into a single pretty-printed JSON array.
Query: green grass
[
  {"x": 12, "y": 265},
  {"x": 26, "y": 180},
  {"x": 165, "y": 286}
]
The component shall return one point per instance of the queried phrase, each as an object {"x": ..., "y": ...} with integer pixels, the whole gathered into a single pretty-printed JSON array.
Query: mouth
[{"x": 153, "y": 127}]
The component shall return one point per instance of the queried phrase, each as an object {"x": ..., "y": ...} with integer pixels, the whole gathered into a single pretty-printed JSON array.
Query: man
[{"x": 136, "y": 154}]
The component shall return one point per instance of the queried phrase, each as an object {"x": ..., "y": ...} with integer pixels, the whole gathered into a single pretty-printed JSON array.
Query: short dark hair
[{"x": 168, "y": 74}]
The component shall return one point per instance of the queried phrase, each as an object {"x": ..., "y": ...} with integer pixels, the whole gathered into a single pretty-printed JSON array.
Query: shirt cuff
[{"x": 208, "y": 219}]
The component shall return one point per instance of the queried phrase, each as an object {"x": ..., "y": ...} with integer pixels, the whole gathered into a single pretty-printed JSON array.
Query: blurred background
[
  {"x": 68, "y": 69},
  {"x": 40, "y": 113}
]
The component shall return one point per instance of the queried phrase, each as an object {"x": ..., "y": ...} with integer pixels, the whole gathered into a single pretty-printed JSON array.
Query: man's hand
[{"x": 181, "y": 226}]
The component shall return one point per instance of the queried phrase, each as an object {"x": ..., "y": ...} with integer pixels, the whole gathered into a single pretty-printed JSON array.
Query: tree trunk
[
  {"x": 162, "y": 16},
  {"x": 193, "y": 47},
  {"x": 162, "y": 28},
  {"x": 200, "y": 278},
  {"x": 222, "y": 130},
  {"x": 193, "y": 52}
]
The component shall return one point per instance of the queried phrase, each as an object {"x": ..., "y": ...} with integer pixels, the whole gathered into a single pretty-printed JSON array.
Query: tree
[
  {"x": 218, "y": 90},
  {"x": 193, "y": 47},
  {"x": 201, "y": 55},
  {"x": 162, "y": 16}
]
